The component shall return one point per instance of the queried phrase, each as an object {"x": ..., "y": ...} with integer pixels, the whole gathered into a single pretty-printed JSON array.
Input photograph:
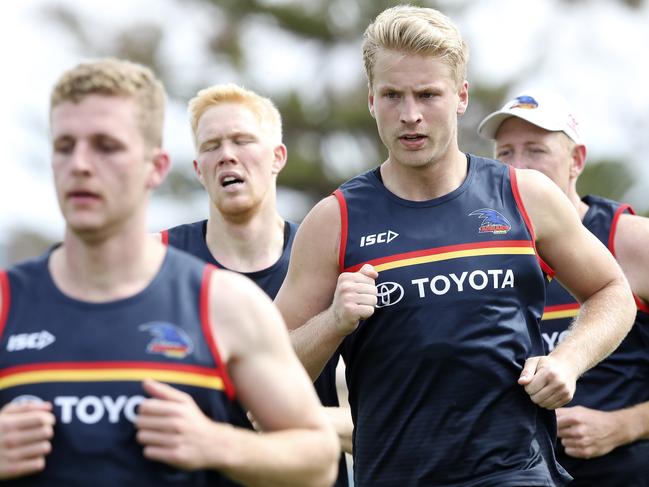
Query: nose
[
  {"x": 410, "y": 112},
  {"x": 226, "y": 153},
  {"x": 80, "y": 159}
]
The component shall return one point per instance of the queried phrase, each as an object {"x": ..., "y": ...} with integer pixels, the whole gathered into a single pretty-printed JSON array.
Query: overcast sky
[{"x": 594, "y": 53}]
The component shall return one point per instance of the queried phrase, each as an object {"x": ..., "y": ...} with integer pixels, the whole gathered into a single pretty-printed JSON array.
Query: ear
[
  {"x": 160, "y": 167},
  {"x": 279, "y": 159},
  {"x": 198, "y": 172},
  {"x": 370, "y": 101},
  {"x": 578, "y": 156},
  {"x": 463, "y": 96}
]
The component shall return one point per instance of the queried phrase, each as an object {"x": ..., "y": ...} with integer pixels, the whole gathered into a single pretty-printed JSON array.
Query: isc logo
[
  {"x": 378, "y": 238},
  {"x": 30, "y": 341}
]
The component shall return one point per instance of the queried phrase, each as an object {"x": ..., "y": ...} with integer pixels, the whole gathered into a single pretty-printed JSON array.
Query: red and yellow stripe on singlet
[
  {"x": 559, "y": 311},
  {"x": 506, "y": 247},
  {"x": 189, "y": 375}
]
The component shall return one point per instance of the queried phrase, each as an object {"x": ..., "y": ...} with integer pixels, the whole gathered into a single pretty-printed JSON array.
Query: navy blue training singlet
[
  {"x": 89, "y": 359},
  {"x": 191, "y": 238},
  {"x": 619, "y": 381},
  {"x": 432, "y": 375}
]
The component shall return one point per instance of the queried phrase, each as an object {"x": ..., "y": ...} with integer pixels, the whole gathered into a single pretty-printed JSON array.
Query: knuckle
[
  {"x": 343, "y": 278},
  {"x": 140, "y": 436},
  {"x": 176, "y": 455},
  {"x": 39, "y": 463},
  {"x": 48, "y": 431},
  {"x": 46, "y": 447},
  {"x": 8, "y": 443},
  {"x": 144, "y": 407},
  {"x": 177, "y": 425}
]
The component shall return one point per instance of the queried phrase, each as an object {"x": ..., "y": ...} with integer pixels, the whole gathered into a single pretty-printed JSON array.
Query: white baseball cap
[{"x": 544, "y": 110}]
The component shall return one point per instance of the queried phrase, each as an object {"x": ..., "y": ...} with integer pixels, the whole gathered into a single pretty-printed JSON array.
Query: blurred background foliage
[{"x": 327, "y": 128}]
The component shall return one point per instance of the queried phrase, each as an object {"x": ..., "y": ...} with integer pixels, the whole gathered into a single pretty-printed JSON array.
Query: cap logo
[
  {"x": 526, "y": 102},
  {"x": 572, "y": 123}
]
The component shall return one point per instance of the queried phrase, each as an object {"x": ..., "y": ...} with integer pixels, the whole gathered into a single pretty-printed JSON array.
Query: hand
[
  {"x": 354, "y": 298},
  {"x": 588, "y": 433},
  {"x": 25, "y": 433},
  {"x": 173, "y": 429},
  {"x": 549, "y": 382}
]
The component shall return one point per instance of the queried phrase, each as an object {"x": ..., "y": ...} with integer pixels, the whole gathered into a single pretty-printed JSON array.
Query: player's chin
[{"x": 85, "y": 227}]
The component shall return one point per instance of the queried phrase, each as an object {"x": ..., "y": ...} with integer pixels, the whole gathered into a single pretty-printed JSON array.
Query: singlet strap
[
  {"x": 6, "y": 300},
  {"x": 528, "y": 222},
  {"x": 206, "y": 323},
  {"x": 344, "y": 228}
]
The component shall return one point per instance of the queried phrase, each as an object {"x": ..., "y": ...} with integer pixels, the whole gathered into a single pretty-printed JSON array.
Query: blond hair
[
  {"x": 415, "y": 30},
  {"x": 263, "y": 108},
  {"x": 117, "y": 77}
]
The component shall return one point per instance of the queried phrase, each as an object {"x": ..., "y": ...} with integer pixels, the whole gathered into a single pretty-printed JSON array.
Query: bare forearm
[
  {"x": 634, "y": 422},
  {"x": 315, "y": 342},
  {"x": 341, "y": 419},
  {"x": 283, "y": 458},
  {"x": 603, "y": 322}
]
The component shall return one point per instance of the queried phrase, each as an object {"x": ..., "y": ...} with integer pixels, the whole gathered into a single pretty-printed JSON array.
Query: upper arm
[
  {"x": 632, "y": 252},
  {"x": 313, "y": 270},
  {"x": 581, "y": 262},
  {"x": 268, "y": 378}
]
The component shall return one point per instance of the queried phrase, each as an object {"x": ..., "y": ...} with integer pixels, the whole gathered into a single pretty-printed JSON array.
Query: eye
[
  {"x": 210, "y": 147},
  {"x": 426, "y": 95},
  {"x": 63, "y": 146},
  {"x": 244, "y": 139},
  {"x": 391, "y": 95},
  {"x": 501, "y": 154},
  {"x": 107, "y": 145}
]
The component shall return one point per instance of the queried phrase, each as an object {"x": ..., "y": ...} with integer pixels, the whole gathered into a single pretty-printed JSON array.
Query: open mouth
[{"x": 230, "y": 180}]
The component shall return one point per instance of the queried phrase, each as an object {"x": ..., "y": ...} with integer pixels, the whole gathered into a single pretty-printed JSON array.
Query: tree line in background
[{"x": 311, "y": 130}]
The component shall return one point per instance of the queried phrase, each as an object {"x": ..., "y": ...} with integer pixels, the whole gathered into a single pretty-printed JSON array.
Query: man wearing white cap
[{"x": 604, "y": 432}]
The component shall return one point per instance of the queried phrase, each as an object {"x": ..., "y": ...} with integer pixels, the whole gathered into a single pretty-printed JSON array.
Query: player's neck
[
  {"x": 109, "y": 269},
  {"x": 424, "y": 183},
  {"x": 246, "y": 244}
]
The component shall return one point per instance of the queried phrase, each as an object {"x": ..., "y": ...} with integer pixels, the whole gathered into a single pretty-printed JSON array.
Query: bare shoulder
[
  {"x": 632, "y": 233},
  {"x": 535, "y": 186},
  {"x": 314, "y": 265},
  {"x": 236, "y": 299},
  {"x": 632, "y": 252},
  {"x": 320, "y": 229},
  {"x": 315, "y": 250},
  {"x": 549, "y": 209},
  {"x": 243, "y": 315}
]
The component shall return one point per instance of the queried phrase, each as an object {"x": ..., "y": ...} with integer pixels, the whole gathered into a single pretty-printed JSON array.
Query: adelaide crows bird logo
[
  {"x": 168, "y": 340},
  {"x": 492, "y": 221},
  {"x": 524, "y": 102}
]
